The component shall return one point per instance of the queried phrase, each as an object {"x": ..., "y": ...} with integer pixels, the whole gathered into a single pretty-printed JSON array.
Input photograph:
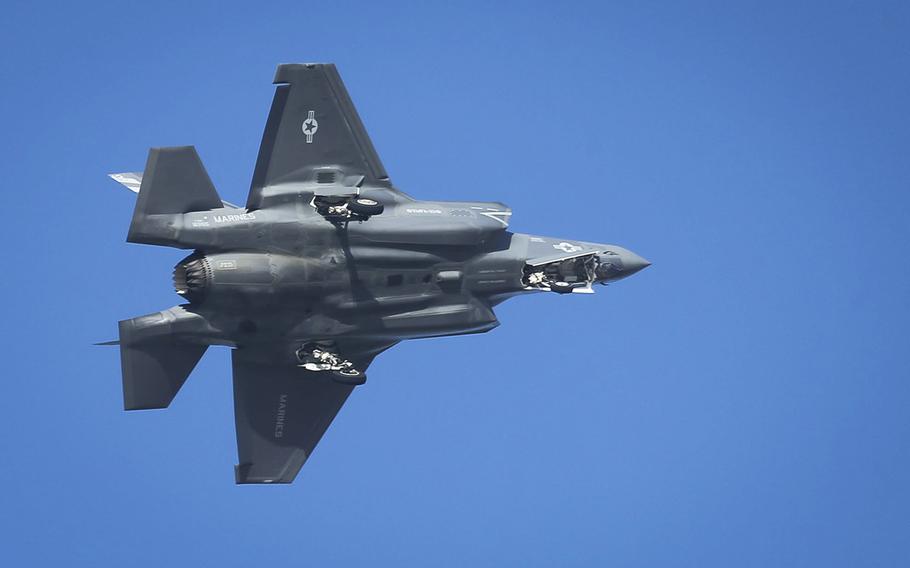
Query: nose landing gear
[
  {"x": 561, "y": 287},
  {"x": 562, "y": 276}
]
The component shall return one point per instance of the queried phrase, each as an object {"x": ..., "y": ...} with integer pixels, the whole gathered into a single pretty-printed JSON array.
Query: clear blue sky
[{"x": 743, "y": 402}]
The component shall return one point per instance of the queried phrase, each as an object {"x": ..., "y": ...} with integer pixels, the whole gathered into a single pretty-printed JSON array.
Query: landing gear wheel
[
  {"x": 365, "y": 207},
  {"x": 349, "y": 377},
  {"x": 561, "y": 287}
]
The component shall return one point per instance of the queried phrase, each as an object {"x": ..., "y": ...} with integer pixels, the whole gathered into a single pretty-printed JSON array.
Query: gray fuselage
[{"x": 420, "y": 269}]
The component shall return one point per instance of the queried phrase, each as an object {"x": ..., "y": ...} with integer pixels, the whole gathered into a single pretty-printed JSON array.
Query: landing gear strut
[
  {"x": 324, "y": 358},
  {"x": 562, "y": 276},
  {"x": 338, "y": 208}
]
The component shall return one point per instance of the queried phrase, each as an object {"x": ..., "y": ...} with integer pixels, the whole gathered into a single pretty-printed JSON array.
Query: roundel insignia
[
  {"x": 567, "y": 247},
  {"x": 310, "y": 126}
]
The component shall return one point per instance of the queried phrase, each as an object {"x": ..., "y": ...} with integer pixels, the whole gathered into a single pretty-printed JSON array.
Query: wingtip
[{"x": 242, "y": 476}]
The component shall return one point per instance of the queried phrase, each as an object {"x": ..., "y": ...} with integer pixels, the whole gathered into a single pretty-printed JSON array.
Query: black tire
[
  {"x": 349, "y": 377},
  {"x": 365, "y": 207},
  {"x": 561, "y": 287}
]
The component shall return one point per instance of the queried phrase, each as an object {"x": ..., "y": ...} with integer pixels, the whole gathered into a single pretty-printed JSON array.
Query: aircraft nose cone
[{"x": 632, "y": 263}]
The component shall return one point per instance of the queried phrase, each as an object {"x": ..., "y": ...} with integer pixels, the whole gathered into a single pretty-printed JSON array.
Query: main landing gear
[
  {"x": 340, "y": 208},
  {"x": 323, "y": 357}
]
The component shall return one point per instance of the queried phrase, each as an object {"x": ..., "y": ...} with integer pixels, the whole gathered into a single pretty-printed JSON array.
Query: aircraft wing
[
  {"x": 313, "y": 123},
  {"x": 281, "y": 411}
]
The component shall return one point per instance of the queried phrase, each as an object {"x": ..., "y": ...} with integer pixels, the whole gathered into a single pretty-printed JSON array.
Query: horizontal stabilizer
[
  {"x": 154, "y": 368},
  {"x": 129, "y": 180}
]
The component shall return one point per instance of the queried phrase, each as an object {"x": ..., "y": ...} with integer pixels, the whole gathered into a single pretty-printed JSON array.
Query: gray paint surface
[{"x": 312, "y": 266}]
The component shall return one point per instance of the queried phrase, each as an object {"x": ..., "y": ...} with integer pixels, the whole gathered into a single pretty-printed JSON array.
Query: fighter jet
[{"x": 326, "y": 266}]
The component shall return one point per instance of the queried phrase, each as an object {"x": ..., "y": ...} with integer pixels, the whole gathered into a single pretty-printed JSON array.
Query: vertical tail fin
[{"x": 174, "y": 182}]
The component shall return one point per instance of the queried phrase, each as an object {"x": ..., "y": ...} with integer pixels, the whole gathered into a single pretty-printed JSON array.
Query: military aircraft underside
[{"x": 326, "y": 266}]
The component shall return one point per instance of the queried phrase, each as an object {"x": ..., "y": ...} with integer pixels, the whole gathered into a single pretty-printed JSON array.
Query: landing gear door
[
  {"x": 561, "y": 266},
  {"x": 544, "y": 250}
]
